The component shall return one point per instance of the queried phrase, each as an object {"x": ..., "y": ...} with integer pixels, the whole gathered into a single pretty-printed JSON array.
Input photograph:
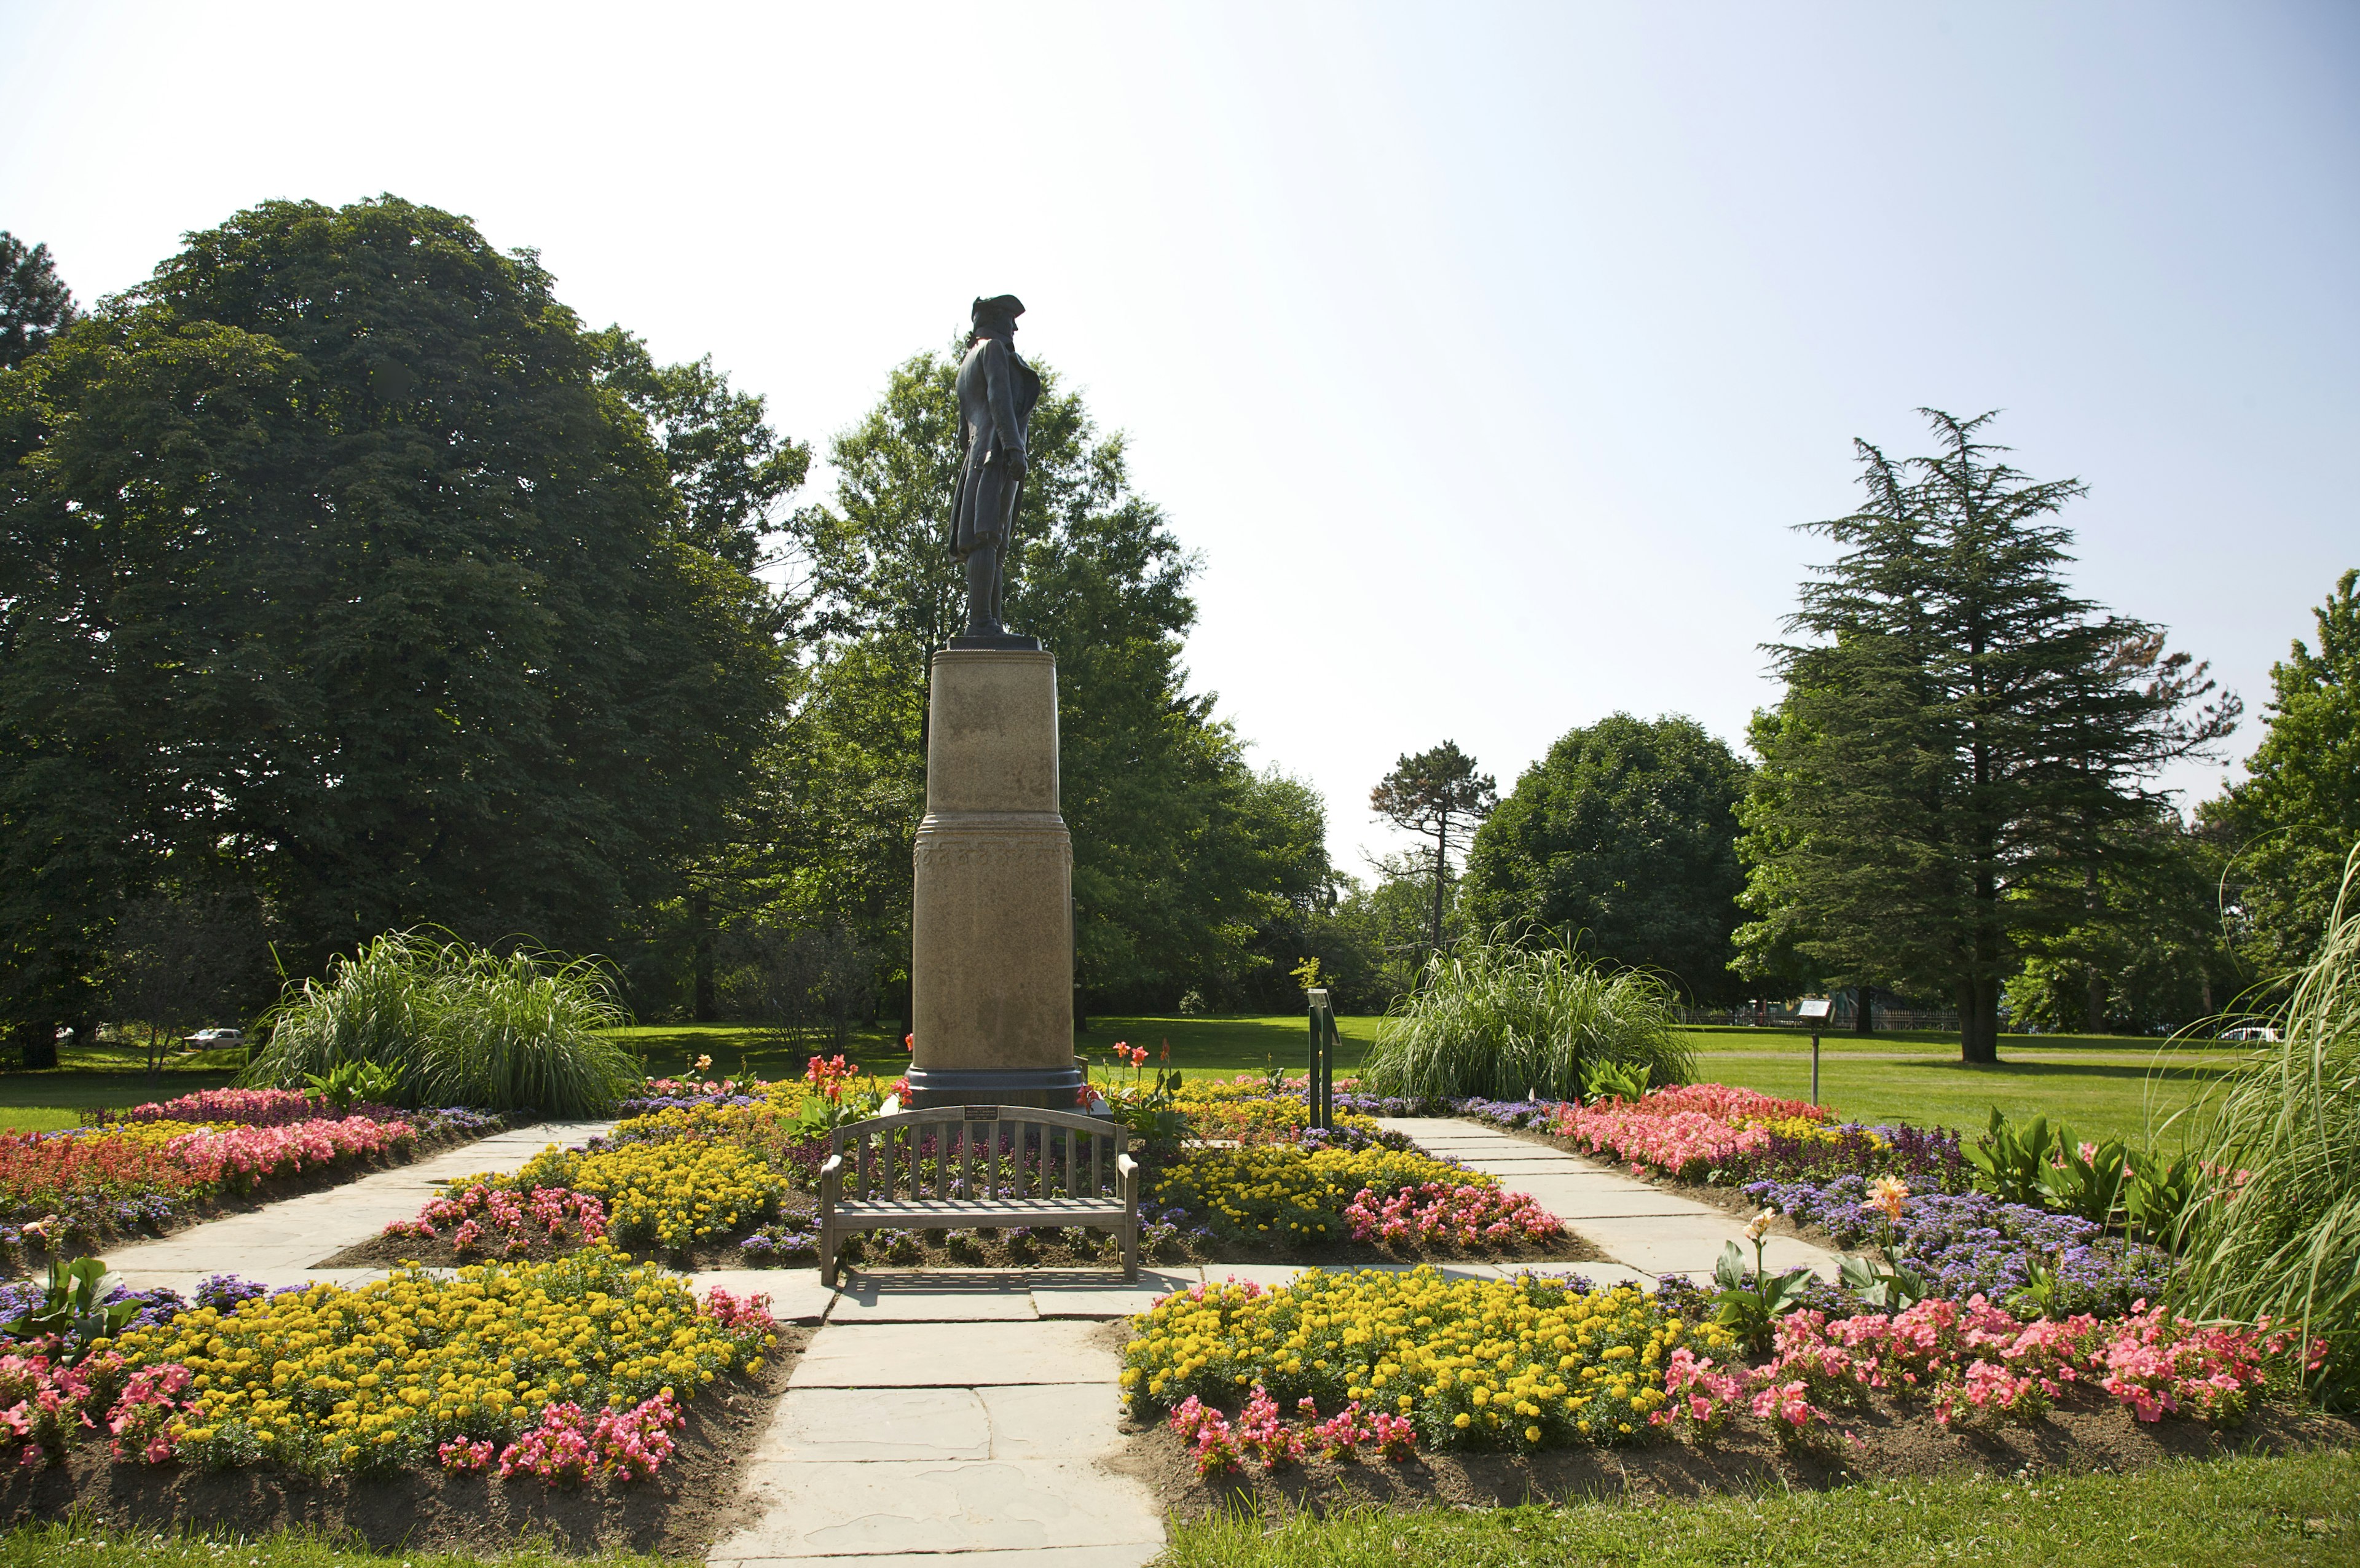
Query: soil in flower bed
[
  {"x": 691, "y": 1502},
  {"x": 2085, "y": 1431},
  {"x": 982, "y": 1250},
  {"x": 34, "y": 1262}
]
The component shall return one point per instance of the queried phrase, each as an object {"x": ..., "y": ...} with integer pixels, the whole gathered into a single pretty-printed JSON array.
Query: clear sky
[{"x": 1486, "y": 352}]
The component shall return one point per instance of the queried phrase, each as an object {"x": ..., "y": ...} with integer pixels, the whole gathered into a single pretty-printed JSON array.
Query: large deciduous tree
[
  {"x": 2296, "y": 816},
  {"x": 1939, "y": 784},
  {"x": 1184, "y": 858},
  {"x": 1625, "y": 834},
  {"x": 330, "y": 570},
  {"x": 1439, "y": 795}
]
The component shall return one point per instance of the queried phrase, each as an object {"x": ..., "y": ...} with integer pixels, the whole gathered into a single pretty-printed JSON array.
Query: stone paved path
[
  {"x": 280, "y": 1243},
  {"x": 939, "y": 1411},
  {"x": 1645, "y": 1230}
]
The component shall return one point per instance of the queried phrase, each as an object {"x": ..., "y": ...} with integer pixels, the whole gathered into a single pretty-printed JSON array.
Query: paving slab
[
  {"x": 856, "y": 1509},
  {"x": 1079, "y": 1421},
  {"x": 907, "y": 1355},
  {"x": 1106, "y": 1296},
  {"x": 1581, "y": 1201},
  {"x": 837, "y": 1425},
  {"x": 934, "y": 1296},
  {"x": 1133, "y": 1554}
]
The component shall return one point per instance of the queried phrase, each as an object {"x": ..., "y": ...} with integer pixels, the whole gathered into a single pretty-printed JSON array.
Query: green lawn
[
  {"x": 2267, "y": 1513},
  {"x": 111, "y": 1076},
  {"x": 2101, "y": 1085},
  {"x": 76, "y": 1542}
]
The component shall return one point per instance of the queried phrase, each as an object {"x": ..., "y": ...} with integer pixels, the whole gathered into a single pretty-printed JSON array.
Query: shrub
[
  {"x": 1284, "y": 1192},
  {"x": 456, "y": 1024},
  {"x": 2278, "y": 1235},
  {"x": 1502, "y": 1020}
]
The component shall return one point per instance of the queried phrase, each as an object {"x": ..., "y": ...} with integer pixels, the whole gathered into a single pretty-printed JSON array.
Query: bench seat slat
[{"x": 949, "y": 1213}]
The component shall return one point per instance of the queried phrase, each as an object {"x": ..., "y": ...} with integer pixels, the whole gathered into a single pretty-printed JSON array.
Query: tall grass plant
[
  {"x": 456, "y": 1024},
  {"x": 1500, "y": 1019},
  {"x": 2276, "y": 1231}
]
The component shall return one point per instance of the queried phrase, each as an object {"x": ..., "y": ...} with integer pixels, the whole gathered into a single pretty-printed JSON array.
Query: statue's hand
[{"x": 1011, "y": 462}]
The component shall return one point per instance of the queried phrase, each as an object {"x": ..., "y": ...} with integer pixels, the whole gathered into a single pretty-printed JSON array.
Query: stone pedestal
[{"x": 991, "y": 939}]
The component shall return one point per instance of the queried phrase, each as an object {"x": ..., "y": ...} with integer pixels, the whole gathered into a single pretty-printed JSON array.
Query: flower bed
[
  {"x": 406, "y": 1374},
  {"x": 1526, "y": 1364},
  {"x": 1518, "y": 1363},
  {"x": 1287, "y": 1193}
]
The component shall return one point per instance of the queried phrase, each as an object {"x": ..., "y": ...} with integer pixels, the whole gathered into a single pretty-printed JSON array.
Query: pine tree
[
  {"x": 1937, "y": 784},
  {"x": 1424, "y": 794}
]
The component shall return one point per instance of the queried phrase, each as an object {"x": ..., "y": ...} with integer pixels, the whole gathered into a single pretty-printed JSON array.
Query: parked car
[
  {"x": 206, "y": 1039},
  {"x": 2252, "y": 1031}
]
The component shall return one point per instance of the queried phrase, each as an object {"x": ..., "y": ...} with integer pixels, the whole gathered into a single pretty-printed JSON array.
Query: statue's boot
[{"x": 983, "y": 591}]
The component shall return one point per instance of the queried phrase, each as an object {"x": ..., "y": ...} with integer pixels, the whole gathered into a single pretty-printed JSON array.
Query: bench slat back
[{"x": 991, "y": 1144}]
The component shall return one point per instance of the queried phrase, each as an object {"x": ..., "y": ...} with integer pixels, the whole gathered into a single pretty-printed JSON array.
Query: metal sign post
[
  {"x": 1319, "y": 1087},
  {"x": 1815, "y": 1070}
]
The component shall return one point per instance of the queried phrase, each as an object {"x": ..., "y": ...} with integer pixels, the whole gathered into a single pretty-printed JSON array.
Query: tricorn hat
[{"x": 1007, "y": 305}]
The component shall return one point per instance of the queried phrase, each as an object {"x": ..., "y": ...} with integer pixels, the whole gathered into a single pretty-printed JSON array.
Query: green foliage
[
  {"x": 70, "y": 1308},
  {"x": 2158, "y": 1195},
  {"x": 1938, "y": 783},
  {"x": 2151, "y": 952},
  {"x": 1503, "y": 1019},
  {"x": 1186, "y": 860},
  {"x": 1750, "y": 1302},
  {"x": 455, "y": 1024},
  {"x": 1894, "y": 1287},
  {"x": 2086, "y": 1181},
  {"x": 1437, "y": 794},
  {"x": 2298, "y": 810},
  {"x": 350, "y": 1084},
  {"x": 35, "y": 303},
  {"x": 2010, "y": 1161},
  {"x": 2282, "y": 1241},
  {"x": 1612, "y": 1081},
  {"x": 329, "y": 570},
  {"x": 1626, "y": 830}
]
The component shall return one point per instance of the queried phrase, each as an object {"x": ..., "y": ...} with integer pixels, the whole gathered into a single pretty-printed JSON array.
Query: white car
[
  {"x": 206, "y": 1038},
  {"x": 2252, "y": 1031}
]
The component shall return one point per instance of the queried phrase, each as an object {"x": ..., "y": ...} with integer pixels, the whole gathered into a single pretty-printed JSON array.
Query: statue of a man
[{"x": 996, "y": 394}]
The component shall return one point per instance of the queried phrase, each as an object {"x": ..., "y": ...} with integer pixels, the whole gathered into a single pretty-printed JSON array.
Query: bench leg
[
  {"x": 827, "y": 1267},
  {"x": 1130, "y": 1250}
]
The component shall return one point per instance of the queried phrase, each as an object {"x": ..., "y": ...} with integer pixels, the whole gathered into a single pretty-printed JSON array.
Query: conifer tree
[{"x": 1957, "y": 739}]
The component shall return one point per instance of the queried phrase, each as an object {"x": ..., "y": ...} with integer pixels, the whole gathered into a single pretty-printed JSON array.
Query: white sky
[{"x": 1485, "y": 351}]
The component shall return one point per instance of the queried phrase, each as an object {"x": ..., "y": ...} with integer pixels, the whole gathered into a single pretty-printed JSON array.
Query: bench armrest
[
  {"x": 1126, "y": 1177},
  {"x": 831, "y": 1181}
]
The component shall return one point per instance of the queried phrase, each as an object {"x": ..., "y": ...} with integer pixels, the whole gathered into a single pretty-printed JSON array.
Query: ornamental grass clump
[
  {"x": 1503, "y": 1020},
  {"x": 1520, "y": 1363},
  {"x": 2277, "y": 1234},
  {"x": 456, "y": 1024}
]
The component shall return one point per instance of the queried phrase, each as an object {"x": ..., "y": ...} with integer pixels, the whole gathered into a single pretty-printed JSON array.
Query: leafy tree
[
  {"x": 180, "y": 963},
  {"x": 329, "y": 570},
  {"x": 1183, "y": 857},
  {"x": 1939, "y": 784},
  {"x": 1373, "y": 938},
  {"x": 1439, "y": 795},
  {"x": 2297, "y": 814},
  {"x": 2152, "y": 951},
  {"x": 35, "y": 303},
  {"x": 1626, "y": 830},
  {"x": 729, "y": 467}
]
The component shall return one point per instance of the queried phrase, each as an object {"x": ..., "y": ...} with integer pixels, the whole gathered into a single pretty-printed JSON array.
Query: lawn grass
[
  {"x": 2290, "y": 1512},
  {"x": 75, "y": 1542},
  {"x": 2102, "y": 1085}
]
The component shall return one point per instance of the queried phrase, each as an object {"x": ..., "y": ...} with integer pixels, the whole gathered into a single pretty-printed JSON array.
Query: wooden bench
[{"x": 991, "y": 1167}]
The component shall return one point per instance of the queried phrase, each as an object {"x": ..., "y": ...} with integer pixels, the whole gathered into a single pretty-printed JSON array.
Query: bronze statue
[{"x": 996, "y": 394}]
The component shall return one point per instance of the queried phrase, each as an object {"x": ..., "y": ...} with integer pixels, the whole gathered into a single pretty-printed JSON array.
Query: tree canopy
[
  {"x": 1939, "y": 783},
  {"x": 330, "y": 568},
  {"x": 1186, "y": 860},
  {"x": 1623, "y": 837},
  {"x": 2296, "y": 816},
  {"x": 1439, "y": 795},
  {"x": 35, "y": 303}
]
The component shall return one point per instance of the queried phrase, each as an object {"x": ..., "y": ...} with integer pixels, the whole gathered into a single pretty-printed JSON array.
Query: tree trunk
[
  {"x": 1865, "y": 998},
  {"x": 37, "y": 1045},
  {"x": 702, "y": 1009},
  {"x": 2094, "y": 1001},
  {"x": 1441, "y": 852},
  {"x": 1979, "y": 1020}
]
